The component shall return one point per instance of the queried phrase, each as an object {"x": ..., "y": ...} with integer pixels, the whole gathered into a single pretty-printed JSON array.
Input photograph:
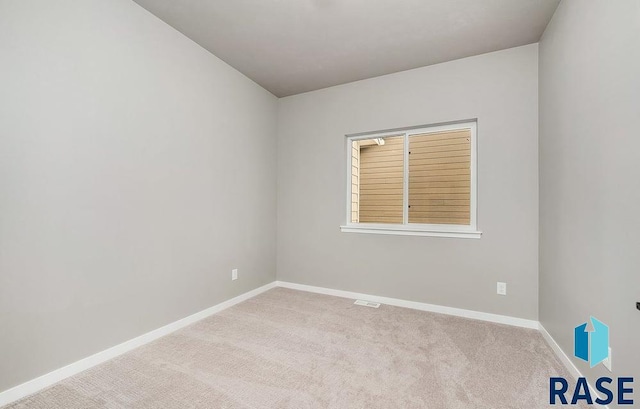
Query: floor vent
[{"x": 367, "y": 303}]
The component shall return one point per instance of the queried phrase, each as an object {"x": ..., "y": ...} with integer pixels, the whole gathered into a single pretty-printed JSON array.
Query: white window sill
[{"x": 411, "y": 231}]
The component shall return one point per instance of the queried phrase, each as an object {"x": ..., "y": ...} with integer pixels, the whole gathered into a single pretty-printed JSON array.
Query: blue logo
[{"x": 591, "y": 346}]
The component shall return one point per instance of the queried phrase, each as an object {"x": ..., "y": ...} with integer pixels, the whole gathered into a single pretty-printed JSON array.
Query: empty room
[{"x": 299, "y": 204}]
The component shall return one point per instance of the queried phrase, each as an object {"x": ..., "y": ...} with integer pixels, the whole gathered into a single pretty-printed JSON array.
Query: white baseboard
[
  {"x": 564, "y": 358},
  {"x": 573, "y": 370},
  {"x": 483, "y": 316},
  {"x": 459, "y": 312},
  {"x": 58, "y": 375}
]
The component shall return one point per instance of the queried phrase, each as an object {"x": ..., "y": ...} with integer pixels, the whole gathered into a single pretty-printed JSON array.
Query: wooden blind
[
  {"x": 381, "y": 186},
  {"x": 440, "y": 177}
]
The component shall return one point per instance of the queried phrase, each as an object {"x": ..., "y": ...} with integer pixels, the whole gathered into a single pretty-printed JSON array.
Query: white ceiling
[{"x": 293, "y": 46}]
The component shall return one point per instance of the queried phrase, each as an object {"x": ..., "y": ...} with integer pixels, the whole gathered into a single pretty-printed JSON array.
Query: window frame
[{"x": 416, "y": 229}]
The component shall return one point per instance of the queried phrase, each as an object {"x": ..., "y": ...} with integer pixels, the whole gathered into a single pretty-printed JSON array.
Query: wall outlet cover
[
  {"x": 502, "y": 288},
  {"x": 234, "y": 274}
]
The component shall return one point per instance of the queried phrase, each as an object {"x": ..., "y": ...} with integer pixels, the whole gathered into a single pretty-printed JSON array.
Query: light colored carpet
[{"x": 292, "y": 349}]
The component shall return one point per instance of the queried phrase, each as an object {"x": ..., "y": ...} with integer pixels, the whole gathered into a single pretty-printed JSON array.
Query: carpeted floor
[{"x": 292, "y": 349}]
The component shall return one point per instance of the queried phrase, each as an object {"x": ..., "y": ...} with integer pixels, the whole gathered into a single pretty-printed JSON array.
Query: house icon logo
[{"x": 591, "y": 344}]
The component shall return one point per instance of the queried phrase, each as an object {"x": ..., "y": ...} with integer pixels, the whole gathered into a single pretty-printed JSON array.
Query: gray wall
[
  {"x": 589, "y": 175},
  {"x": 501, "y": 90},
  {"x": 117, "y": 212}
]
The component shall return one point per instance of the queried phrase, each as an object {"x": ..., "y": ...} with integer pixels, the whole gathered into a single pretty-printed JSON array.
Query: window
[{"x": 414, "y": 181}]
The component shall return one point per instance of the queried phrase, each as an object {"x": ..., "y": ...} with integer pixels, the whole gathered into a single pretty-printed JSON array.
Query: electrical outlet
[
  {"x": 234, "y": 274},
  {"x": 607, "y": 362},
  {"x": 502, "y": 288}
]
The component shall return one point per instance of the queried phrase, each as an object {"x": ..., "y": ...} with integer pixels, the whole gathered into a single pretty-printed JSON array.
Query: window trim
[{"x": 416, "y": 229}]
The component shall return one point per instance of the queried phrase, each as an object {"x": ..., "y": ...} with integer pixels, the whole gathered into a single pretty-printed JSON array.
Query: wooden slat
[
  {"x": 426, "y": 173},
  {"x": 426, "y": 184},
  {"x": 439, "y": 208},
  {"x": 453, "y": 219},
  {"x": 434, "y": 220},
  {"x": 462, "y": 161},
  {"x": 443, "y": 142},
  {"x": 440, "y": 215},
  {"x": 381, "y": 219},
  {"x": 413, "y": 191},
  {"x": 443, "y": 135},
  {"x": 439, "y": 148},
  {"x": 396, "y": 188},
  {"x": 372, "y": 153},
  {"x": 427, "y": 154},
  {"x": 439, "y": 166},
  {"x": 426, "y": 196},
  {"x": 370, "y": 213},
  {"x": 378, "y": 206},
  {"x": 427, "y": 212},
  {"x": 382, "y": 172},
  {"x": 381, "y": 196},
  {"x": 389, "y": 201},
  {"x": 440, "y": 202},
  {"x": 387, "y": 181},
  {"x": 374, "y": 161},
  {"x": 463, "y": 176},
  {"x": 397, "y": 164}
]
